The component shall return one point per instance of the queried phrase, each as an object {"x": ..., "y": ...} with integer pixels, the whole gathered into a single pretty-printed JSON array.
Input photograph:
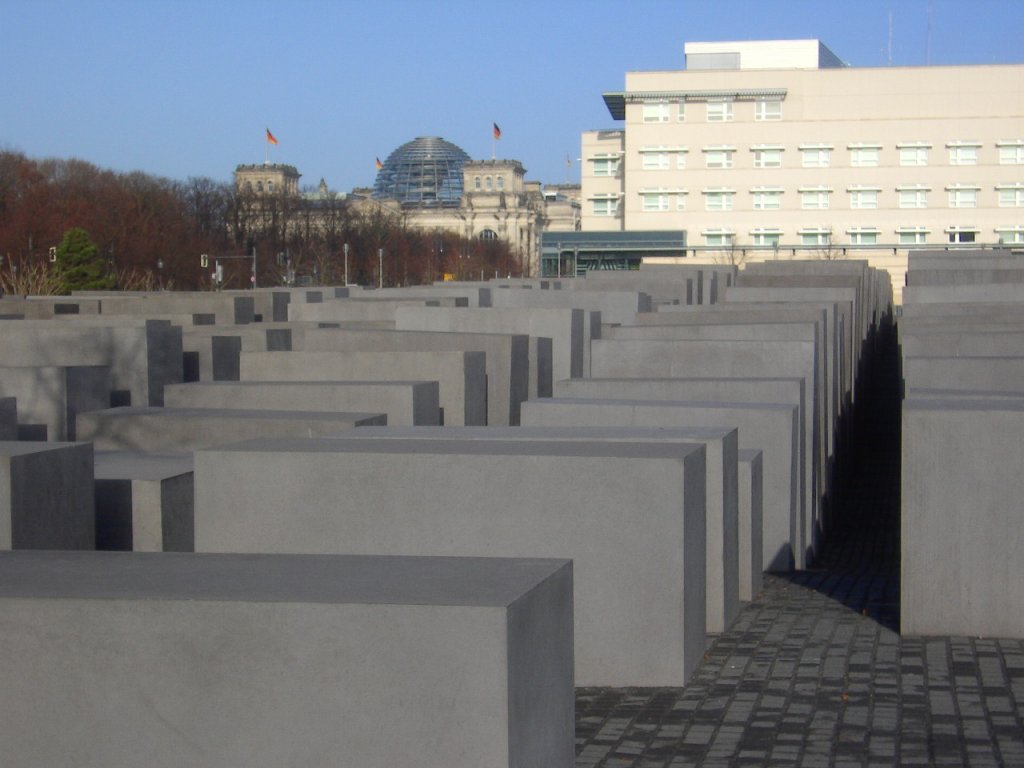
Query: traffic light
[
  {"x": 204, "y": 261},
  {"x": 53, "y": 253}
]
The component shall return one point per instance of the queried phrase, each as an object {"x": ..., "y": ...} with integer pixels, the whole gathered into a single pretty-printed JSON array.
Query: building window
[
  {"x": 913, "y": 155},
  {"x": 768, "y": 109},
  {"x": 716, "y": 238},
  {"x": 654, "y": 201},
  {"x": 815, "y": 237},
  {"x": 913, "y": 197},
  {"x": 768, "y": 157},
  {"x": 605, "y": 206},
  {"x": 816, "y": 157},
  {"x": 963, "y": 154},
  {"x": 963, "y": 197},
  {"x": 912, "y": 235},
  {"x": 681, "y": 159},
  {"x": 603, "y": 166},
  {"x": 962, "y": 235},
  {"x": 864, "y": 157},
  {"x": 767, "y": 199},
  {"x": 488, "y": 234},
  {"x": 270, "y": 187},
  {"x": 500, "y": 182},
  {"x": 654, "y": 161},
  {"x": 718, "y": 158},
  {"x": 476, "y": 182},
  {"x": 1011, "y": 153},
  {"x": 259, "y": 186},
  {"x": 814, "y": 199},
  {"x": 719, "y": 111},
  {"x": 681, "y": 201},
  {"x": 718, "y": 200},
  {"x": 765, "y": 238},
  {"x": 1010, "y": 235},
  {"x": 681, "y": 113},
  {"x": 655, "y": 112},
  {"x": 1011, "y": 196},
  {"x": 487, "y": 182},
  {"x": 863, "y": 199},
  {"x": 863, "y": 236}
]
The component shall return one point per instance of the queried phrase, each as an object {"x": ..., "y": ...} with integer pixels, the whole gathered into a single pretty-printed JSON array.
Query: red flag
[
  {"x": 379, "y": 164},
  {"x": 270, "y": 137},
  {"x": 497, "y": 131}
]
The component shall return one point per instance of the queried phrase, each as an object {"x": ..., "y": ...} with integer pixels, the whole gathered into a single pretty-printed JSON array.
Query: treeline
[{"x": 150, "y": 230}]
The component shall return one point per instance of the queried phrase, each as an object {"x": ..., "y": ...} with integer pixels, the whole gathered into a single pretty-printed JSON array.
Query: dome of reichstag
[{"x": 424, "y": 171}]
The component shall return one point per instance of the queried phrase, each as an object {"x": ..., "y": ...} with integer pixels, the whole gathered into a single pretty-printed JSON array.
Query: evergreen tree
[{"x": 80, "y": 266}]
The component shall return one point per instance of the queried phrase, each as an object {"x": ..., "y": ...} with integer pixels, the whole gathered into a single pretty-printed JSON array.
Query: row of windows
[
  {"x": 715, "y": 110},
  {"x": 498, "y": 183},
  {"x": 820, "y": 199},
  {"x": 816, "y": 236},
  {"x": 861, "y": 156}
]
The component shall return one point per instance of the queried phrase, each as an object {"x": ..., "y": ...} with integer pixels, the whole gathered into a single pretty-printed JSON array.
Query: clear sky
[{"x": 182, "y": 88}]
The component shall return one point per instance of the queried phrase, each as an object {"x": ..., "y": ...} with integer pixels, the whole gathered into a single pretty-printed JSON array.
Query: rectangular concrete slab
[
  {"x": 144, "y": 501},
  {"x": 722, "y": 506},
  {"x": 51, "y": 397},
  {"x": 265, "y": 661},
  {"x": 46, "y": 496},
  {"x": 961, "y": 539},
  {"x": 772, "y": 428},
  {"x": 405, "y": 403},
  {"x": 461, "y": 376},
  {"x": 189, "y": 429},
  {"x": 751, "y": 510},
  {"x": 507, "y": 358},
  {"x": 506, "y": 499}
]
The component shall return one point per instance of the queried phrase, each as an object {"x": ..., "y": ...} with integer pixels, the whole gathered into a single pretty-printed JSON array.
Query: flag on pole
[
  {"x": 379, "y": 164},
  {"x": 270, "y": 137},
  {"x": 497, "y": 131}
]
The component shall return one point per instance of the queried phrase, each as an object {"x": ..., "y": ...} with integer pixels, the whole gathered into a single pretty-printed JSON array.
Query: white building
[{"x": 776, "y": 149}]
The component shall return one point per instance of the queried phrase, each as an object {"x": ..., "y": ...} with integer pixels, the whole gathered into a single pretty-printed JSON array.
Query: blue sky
[{"x": 187, "y": 87}]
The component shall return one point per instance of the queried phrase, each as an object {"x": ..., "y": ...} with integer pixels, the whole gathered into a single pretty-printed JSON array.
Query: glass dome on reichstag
[{"x": 424, "y": 171}]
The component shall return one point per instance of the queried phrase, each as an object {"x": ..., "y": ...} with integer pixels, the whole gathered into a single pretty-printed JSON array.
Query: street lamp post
[
  {"x": 380, "y": 267},
  {"x": 344, "y": 248},
  {"x": 160, "y": 272}
]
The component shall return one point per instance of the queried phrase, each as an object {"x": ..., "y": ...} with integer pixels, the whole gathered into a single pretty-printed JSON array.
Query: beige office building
[{"x": 776, "y": 149}]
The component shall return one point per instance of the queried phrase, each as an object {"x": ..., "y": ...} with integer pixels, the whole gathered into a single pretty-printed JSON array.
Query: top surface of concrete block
[
  {"x": 132, "y": 465},
  {"x": 11, "y": 448},
  {"x": 364, "y": 579}
]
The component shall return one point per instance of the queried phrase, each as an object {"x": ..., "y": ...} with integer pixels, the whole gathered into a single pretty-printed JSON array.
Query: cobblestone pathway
[{"x": 814, "y": 671}]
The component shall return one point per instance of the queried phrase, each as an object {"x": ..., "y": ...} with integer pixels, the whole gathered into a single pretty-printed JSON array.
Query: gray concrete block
[
  {"x": 261, "y": 661},
  {"x": 507, "y": 358},
  {"x": 51, "y": 397},
  {"x": 565, "y": 328},
  {"x": 480, "y": 498},
  {"x": 960, "y": 522},
  {"x": 989, "y": 373},
  {"x": 720, "y": 444},
  {"x": 751, "y": 512},
  {"x": 8, "y": 418},
  {"x": 154, "y": 430},
  {"x": 144, "y": 502},
  {"x": 46, "y": 496},
  {"x": 461, "y": 376},
  {"x": 735, "y": 390},
  {"x": 405, "y": 403},
  {"x": 143, "y": 355},
  {"x": 772, "y": 428},
  {"x": 229, "y": 308}
]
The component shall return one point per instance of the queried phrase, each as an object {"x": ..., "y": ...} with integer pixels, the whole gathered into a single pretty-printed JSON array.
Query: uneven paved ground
[{"x": 814, "y": 672}]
